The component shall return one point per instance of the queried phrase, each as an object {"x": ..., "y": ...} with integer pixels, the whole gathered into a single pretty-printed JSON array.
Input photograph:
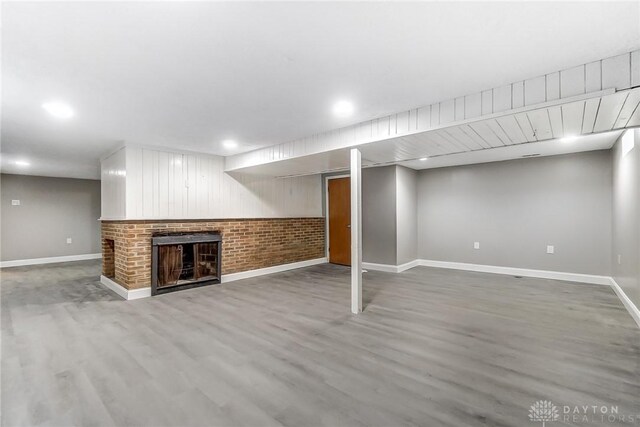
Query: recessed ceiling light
[
  {"x": 58, "y": 110},
  {"x": 343, "y": 108},
  {"x": 423, "y": 159},
  {"x": 229, "y": 143},
  {"x": 570, "y": 138},
  {"x": 22, "y": 163}
]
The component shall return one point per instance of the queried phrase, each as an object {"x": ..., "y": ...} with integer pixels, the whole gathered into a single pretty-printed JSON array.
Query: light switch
[
  {"x": 69, "y": 240},
  {"x": 476, "y": 245},
  {"x": 619, "y": 259},
  {"x": 550, "y": 249},
  {"x": 15, "y": 203}
]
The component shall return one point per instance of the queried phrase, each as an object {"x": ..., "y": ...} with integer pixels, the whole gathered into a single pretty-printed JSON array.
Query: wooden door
[{"x": 340, "y": 221}]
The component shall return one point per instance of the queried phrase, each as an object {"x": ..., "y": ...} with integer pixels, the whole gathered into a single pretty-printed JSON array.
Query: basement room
[{"x": 320, "y": 213}]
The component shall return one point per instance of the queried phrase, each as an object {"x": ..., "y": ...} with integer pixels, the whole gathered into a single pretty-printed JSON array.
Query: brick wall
[{"x": 247, "y": 244}]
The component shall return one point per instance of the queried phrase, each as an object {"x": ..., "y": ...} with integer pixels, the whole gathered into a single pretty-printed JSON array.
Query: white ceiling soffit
[
  {"x": 501, "y": 136},
  {"x": 590, "y": 98}
]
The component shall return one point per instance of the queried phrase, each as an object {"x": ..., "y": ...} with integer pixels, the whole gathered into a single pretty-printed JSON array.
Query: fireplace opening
[{"x": 182, "y": 261}]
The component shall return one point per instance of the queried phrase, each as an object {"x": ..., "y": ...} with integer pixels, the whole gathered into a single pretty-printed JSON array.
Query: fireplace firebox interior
[{"x": 182, "y": 261}]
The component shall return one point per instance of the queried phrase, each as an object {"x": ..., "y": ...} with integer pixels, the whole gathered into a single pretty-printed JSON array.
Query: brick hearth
[{"x": 247, "y": 244}]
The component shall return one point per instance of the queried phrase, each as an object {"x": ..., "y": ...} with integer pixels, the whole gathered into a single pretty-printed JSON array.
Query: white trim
[
  {"x": 124, "y": 292},
  {"x": 389, "y": 268},
  {"x": 49, "y": 260},
  {"x": 326, "y": 209},
  {"x": 270, "y": 270},
  {"x": 513, "y": 271},
  {"x": 626, "y": 301},
  {"x": 146, "y": 292},
  {"x": 356, "y": 231}
]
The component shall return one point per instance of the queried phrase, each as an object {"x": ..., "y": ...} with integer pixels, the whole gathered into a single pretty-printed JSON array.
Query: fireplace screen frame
[{"x": 183, "y": 239}]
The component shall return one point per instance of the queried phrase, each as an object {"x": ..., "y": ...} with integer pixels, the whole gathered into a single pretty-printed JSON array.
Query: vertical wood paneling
[
  {"x": 459, "y": 109},
  {"x": 435, "y": 115},
  {"x": 447, "y": 111},
  {"x": 630, "y": 105},
  {"x": 113, "y": 185},
  {"x": 572, "y": 82},
  {"x": 487, "y": 102},
  {"x": 593, "y": 76},
  {"x": 635, "y": 68},
  {"x": 535, "y": 91},
  {"x": 616, "y": 72},
  {"x": 517, "y": 95},
  {"x": 424, "y": 118},
  {"x": 553, "y": 86},
  {"x": 473, "y": 106},
  {"x": 502, "y": 98}
]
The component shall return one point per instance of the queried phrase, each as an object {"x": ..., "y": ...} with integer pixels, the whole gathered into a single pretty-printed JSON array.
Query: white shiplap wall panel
[
  {"x": 512, "y": 129},
  {"x": 487, "y": 102},
  {"x": 517, "y": 95},
  {"x": 473, "y": 105},
  {"x": 635, "y": 68},
  {"x": 113, "y": 185},
  {"x": 616, "y": 72},
  {"x": 525, "y": 126},
  {"x": 593, "y": 76},
  {"x": 459, "y": 109},
  {"x": 535, "y": 91},
  {"x": 572, "y": 81},
  {"x": 502, "y": 98},
  {"x": 167, "y": 185},
  {"x": 435, "y": 115},
  {"x": 447, "y": 111},
  {"x": 424, "y": 118},
  {"x": 553, "y": 86}
]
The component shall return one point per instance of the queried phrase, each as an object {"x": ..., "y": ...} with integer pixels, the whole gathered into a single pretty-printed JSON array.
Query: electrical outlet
[
  {"x": 476, "y": 245},
  {"x": 69, "y": 240},
  {"x": 15, "y": 203},
  {"x": 551, "y": 249}
]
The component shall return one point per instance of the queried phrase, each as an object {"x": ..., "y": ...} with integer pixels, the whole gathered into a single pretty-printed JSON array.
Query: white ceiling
[{"x": 187, "y": 75}]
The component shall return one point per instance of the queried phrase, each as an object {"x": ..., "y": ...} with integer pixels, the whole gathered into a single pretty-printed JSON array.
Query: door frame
[{"x": 326, "y": 208}]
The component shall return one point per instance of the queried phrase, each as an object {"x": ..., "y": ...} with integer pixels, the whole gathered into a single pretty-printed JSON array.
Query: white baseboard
[
  {"x": 49, "y": 260},
  {"x": 270, "y": 270},
  {"x": 146, "y": 292},
  {"x": 124, "y": 292},
  {"x": 626, "y": 301},
  {"x": 388, "y": 268},
  {"x": 525, "y": 272}
]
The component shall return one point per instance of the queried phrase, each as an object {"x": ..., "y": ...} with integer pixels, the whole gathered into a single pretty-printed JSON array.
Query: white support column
[{"x": 356, "y": 231}]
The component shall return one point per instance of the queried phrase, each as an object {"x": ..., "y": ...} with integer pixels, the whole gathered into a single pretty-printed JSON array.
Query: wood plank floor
[{"x": 433, "y": 347}]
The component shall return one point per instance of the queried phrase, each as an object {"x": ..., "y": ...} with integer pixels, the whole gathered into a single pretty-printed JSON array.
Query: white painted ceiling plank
[
  {"x": 464, "y": 135},
  {"x": 572, "y": 118},
  {"x": 512, "y": 129},
  {"x": 487, "y": 134},
  {"x": 630, "y": 105},
  {"x": 525, "y": 125},
  {"x": 555, "y": 118},
  {"x": 590, "y": 112},
  {"x": 634, "y": 120},
  {"x": 540, "y": 122},
  {"x": 609, "y": 111},
  {"x": 497, "y": 129}
]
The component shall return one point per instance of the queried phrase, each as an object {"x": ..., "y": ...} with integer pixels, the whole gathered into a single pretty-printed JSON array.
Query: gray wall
[
  {"x": 516, "y": 208},
  {"x": 407, "y": 214},
  {"x": 51, "y": 210},
  {"x": 626, "y": 218},
  {"x": 379, "y": 215}
]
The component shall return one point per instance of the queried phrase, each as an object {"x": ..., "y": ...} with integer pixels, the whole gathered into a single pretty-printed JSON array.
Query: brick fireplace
[{"x": 248, "y": 244}]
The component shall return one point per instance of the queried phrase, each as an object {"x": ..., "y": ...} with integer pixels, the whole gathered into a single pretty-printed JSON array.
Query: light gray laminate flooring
[{"x": 433, "y": 347}]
